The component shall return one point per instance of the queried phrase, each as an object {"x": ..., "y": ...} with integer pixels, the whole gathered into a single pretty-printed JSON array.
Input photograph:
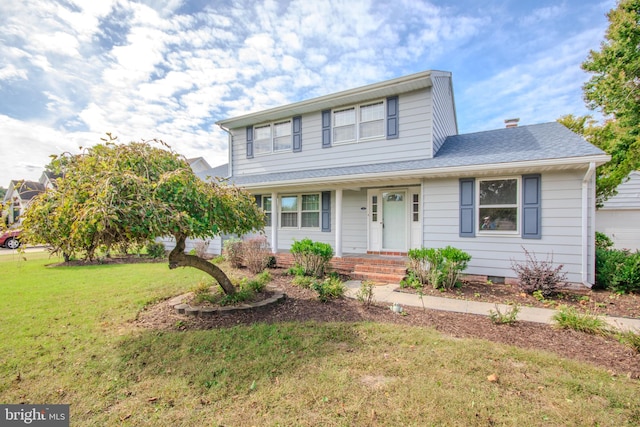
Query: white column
[
  {"x": 339, "y": 222},
  {"x": 275, "y": 216}
]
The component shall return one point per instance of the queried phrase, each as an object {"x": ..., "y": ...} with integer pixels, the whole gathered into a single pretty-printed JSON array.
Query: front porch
[{"x": 374, "y": 267}]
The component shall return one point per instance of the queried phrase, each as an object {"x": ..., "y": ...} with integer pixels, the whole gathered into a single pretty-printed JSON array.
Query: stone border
[{"x": 182, "y": 308}]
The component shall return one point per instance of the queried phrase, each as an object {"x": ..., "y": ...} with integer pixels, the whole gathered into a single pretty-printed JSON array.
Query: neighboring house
[
  {"x": 18, "y": 197},
  {"x": 198, "y": 164},
  {"x": 619, "y": 217},
  {"x": 381, "y": 169}
]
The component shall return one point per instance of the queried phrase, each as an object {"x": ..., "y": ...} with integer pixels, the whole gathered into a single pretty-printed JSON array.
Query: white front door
[
  {"x": 394, "y": 221},
  {"x": 388, "y": 218}
]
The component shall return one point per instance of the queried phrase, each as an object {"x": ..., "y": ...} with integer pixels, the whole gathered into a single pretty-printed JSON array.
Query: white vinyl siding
[
  {"x": 414, "y": 143},
  {"x": 444, "y": 115},
  {"x": 492, "y": 254}
]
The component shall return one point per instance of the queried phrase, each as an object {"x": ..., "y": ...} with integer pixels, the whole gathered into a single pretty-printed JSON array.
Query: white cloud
[{"x": 141, "y": 70}]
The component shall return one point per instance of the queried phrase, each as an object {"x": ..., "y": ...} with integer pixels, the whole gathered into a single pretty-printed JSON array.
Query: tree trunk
[{"x": 177, "y": 258}]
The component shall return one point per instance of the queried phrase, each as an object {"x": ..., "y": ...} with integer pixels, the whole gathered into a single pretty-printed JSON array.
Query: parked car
[{"x": 10, "y": 239}]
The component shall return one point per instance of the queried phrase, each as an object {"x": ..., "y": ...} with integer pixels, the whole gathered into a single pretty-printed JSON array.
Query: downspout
[
  {"x": 585, "y": 223},
  {"x": 230, "y": 148}
]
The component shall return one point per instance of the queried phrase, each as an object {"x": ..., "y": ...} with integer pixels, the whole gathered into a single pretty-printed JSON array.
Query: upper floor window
[
  {"x": 358, "y": 122},
  {"x": 272, "y": 137},
  {"x": 498, "y": 204}
]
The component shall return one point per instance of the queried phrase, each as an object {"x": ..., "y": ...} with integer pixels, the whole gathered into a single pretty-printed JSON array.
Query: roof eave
[
  {"x": 351, "y": 96},
  {"x": 443, "y": 172}
]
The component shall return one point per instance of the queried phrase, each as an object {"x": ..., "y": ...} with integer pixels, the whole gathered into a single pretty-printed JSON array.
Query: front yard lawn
[{"x": 70, "y": 335}]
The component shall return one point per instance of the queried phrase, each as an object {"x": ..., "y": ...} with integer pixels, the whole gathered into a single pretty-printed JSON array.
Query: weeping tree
[{"x": 129, "y": 194}]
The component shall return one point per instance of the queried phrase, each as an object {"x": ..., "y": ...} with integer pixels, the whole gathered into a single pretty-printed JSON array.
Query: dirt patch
[{"x": 302, "y": 305}]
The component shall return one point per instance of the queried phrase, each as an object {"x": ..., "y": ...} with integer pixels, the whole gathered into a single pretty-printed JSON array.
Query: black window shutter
[
  {"x": 249, "y": 142},
  {"x": 258, "y": 200},
  {"x": 392, "y": 118},
  {"x": 297, "y": 134},
  {"x": 326, "y": 129},
  {"x": 326, "y": 211},
  {"x": 531, "y": 207},
  {"x": 467, "y": 207}
]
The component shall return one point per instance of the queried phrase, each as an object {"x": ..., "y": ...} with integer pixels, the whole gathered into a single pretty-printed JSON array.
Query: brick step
[
  {"x": 379, "y": 277},
  {"x": 400, "y": 262},
  {"x": 388, "y": 269}
]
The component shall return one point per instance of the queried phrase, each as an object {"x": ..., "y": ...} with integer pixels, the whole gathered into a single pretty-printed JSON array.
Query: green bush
[
  {"x": 328, "y": 289},
  {"x": 303, "y": 281},
  {"x": 603, "y": 241},
  {"x": 411, "y": 281},
  {"x": 618, "y": 270},
  {"x": 312, "y": 256},
  {"x": 439, "y": 267},
  {"x": 155, "y": 250},
  {"x": 570, "y": 318}
]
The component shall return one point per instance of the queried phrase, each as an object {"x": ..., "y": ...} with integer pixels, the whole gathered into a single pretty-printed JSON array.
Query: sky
[{"x": 72, "y": 70}]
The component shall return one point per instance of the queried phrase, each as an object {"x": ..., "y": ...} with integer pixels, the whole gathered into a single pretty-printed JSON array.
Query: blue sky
[{"x": 72, "y": 70}]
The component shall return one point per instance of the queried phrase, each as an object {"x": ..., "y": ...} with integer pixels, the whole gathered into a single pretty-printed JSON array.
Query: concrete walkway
[{"x": 386, "y": 294}]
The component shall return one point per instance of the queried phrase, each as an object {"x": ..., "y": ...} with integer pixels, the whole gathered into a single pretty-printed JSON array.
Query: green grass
[
  {"x": 66, "y": 337},
  {"x": 570, "y": 318}
]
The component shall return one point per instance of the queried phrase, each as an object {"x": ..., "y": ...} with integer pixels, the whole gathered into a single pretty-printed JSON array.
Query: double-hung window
[
  {"x": 357, "y": 123},
  {"x": 498, "y": 205},
  {"x": 272, "y": 137},
  {"x": 300, "y": 211},
  {"x": 282, "y": 136},
  {"x": 262, "y": 139}
]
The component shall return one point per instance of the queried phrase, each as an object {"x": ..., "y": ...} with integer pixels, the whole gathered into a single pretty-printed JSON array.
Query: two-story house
[{"x": 382, "y": 169}]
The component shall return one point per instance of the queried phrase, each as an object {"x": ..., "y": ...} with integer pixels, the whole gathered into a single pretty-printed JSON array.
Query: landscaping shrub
[
  {"x": 365, "y": 294},
  {"x": 201, "y": 248},
  {"x": 330, "y": 288},
  {"x": 411, "y": 280},
  {"x": 312, "y": 256},
  {"x": 155, "y": 250},
  {"x": 618, "y": 270},
  {"x": 603, "y": 241},
  {"x": 537, "y": 276},
  {"x": 303, "y": 281},
  {"x": 570, "y": 318},
  {"x": 439, "y": 267},
  {"x": 233, "y": 251},
  {"x": 509, "y": 317},
  {"x": 256, "y": 254}
]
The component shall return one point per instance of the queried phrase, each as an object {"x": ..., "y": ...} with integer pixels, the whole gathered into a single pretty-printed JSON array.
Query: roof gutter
[
  {"x": 447, "y": 171},
  {"x": 586, "y": 181},
  {"x": 230, "y": 148}
]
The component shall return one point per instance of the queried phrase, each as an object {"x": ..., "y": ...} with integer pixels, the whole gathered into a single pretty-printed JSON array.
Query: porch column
[
  {"x": 275, "y": 216},
  {"x": 339, "y": 223}
]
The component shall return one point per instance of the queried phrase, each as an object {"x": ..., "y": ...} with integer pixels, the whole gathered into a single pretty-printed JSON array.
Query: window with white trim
[
  {"x": 498, "y": 205},
  {"x": 272, "y": 137},
  {"x": 266, "y": 207},
  {"x": 262, "y": 139},
  {"x": 300, "y": 211},
  {"x": 355, "y": 123}
]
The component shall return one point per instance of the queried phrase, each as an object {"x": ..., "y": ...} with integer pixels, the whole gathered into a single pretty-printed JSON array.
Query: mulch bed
[{"x": 302, "y": 305}]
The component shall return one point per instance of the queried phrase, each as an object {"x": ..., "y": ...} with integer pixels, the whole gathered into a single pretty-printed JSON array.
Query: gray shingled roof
[
  {"x": 546, "y": 141},
  {"x": 221, "y": 171}
]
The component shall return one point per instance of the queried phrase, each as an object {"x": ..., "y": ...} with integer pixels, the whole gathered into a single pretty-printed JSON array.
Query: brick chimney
[{"x": 511, "y": 123}]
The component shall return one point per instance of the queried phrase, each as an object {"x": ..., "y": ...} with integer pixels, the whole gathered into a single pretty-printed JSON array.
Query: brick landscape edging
[{"x": 181, "y": 308}]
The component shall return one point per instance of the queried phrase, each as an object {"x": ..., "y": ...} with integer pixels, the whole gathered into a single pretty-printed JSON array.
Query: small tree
[{"x": 116, "y": 194}]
